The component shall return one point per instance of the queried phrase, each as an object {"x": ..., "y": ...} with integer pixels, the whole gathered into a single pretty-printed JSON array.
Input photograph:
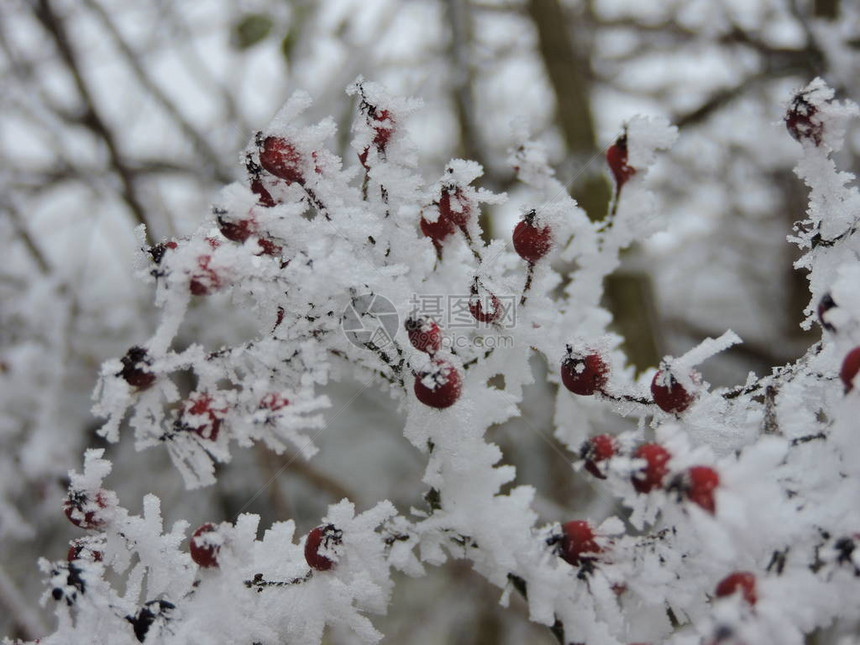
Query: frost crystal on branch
[{"x": 739, "y": 504}]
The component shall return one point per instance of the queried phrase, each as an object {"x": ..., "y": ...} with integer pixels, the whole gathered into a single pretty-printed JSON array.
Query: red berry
[
  {"x": 424, "y": 334},
  {"x": 281, "y": 158},
  {"x": 453, "y": 206},
  {"x": 651, "y": 475},
  {"x": 438, "y": 230},
  {"x": 79, "y": 549},
  {"x": 584, "y": 375},
  {"x": 274, "y": 402},
  {"x": 743, "y": 581},
  {"x": 325, "y": 536},
  {"x": 200, "y": 415},
  {"x": 596, "y": 450},
  {"x": 203, "y": 551},
  {"x": 824, "y": 305},
  {"x": 532, "y": 241},
  {"x": 670, "y": 395},
  {"x": 850, "y": 367},
  {"x": 267, "y": 247},
  {"x": 489, "y": 315},
  {"x": 616, "y": 157},
  {"x": 700, "y": 484},
  {"x": 439, "y": 386},
  {"x": 236, "y": 231},
  {"x": 84, "y": 511},
  {"x": 802, "y": 122},
  {"x": 205, "y": 280},
  {"x": 135, "y": 368},
  {"x": 577, "y": 539},
  {"x": 265, "y": 197}
]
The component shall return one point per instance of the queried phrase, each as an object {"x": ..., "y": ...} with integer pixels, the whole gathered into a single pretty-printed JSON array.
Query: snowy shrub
[{"x": 738, "y": 516}]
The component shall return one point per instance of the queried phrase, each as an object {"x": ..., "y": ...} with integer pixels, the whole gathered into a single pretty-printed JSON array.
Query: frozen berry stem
[{"x": 719, "y": 478}]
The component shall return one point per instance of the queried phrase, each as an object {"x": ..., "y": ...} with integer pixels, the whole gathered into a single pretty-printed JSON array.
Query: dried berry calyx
[
  {"x": 584, "y": 373},
  {"x": 438, "y": 386},
  {"x": 320, "y": 547},
  {"x": 532, "y": 240}
]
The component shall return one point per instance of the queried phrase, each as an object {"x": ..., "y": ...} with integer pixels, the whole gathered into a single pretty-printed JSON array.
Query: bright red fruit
[
  {"x": 236, "y": 230},
  {"x": 84, "y": 511},
  {"x": 743, "y": 581},
  {"x": 135, "y": 368},
  {"x": 319, "y": 536},
  {"x": 280, "y": 157},
  {"x": 596, "y": 450},
  {"x": 203, "y": 552},
  {"x": 850, "y": 367},
  {"x": 616, "y": 157},
  {"x": 584, "y": 375},
  {"x": 438, "y": 387},
  {"x": 670, "y": 395},
  {"x": 424, "y": 334},
  {"x": 532, "y": 241},
  {"x": 577, "y": 539},
  {"x": 699, "y": 486},
  {"x": 651, "y": 476}
]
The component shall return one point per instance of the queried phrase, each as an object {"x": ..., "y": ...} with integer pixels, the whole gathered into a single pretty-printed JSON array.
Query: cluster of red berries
[
  {"x": 696, "y": 484},
  {"x": 586, "y": 373},
  {"x": 438, "y": 385}
]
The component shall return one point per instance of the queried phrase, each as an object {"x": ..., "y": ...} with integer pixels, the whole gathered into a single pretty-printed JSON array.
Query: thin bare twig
[{"x": 91, "y": 118}]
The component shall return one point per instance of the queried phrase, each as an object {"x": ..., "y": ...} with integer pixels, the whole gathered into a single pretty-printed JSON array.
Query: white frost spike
[
  {"x": 295, "y": 105},
  {"x": 704, "y": 350},
  {"x": 645, "y": 136}
]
